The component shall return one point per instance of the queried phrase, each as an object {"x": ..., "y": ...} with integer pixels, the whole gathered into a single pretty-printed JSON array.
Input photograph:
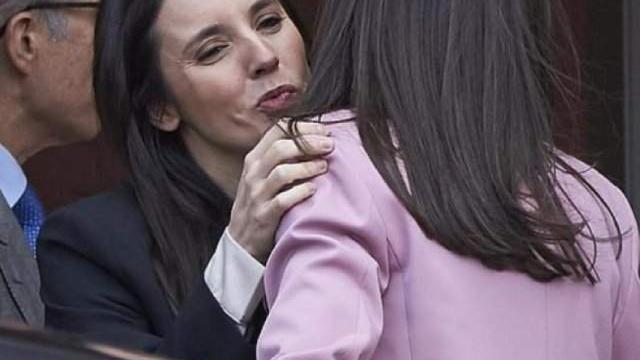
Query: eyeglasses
[{"x": 51, "y": 6}]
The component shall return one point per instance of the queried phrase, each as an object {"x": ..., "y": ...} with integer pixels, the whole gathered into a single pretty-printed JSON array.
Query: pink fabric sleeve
[
  {"x": 626, "y": 336},
  {"x": 325, "y": 279}
]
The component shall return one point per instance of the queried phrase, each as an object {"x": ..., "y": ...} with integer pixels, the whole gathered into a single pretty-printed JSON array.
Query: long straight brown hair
[{"x": 465, "y": 88}]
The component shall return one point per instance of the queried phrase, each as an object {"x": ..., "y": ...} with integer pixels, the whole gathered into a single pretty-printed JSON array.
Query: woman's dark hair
[
  {"x": 185, "y": 211},
  {"x": 297, "y": 19},
  {"x": 461, "y": 92}
]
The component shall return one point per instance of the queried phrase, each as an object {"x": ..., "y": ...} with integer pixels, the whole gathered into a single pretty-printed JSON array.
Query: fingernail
[
  {"x": 327, "y": 144},
  {"x": 323, "y": 166}
]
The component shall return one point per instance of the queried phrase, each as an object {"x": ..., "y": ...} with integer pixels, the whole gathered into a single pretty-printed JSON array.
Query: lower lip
[{"x": 278, "y": 103}]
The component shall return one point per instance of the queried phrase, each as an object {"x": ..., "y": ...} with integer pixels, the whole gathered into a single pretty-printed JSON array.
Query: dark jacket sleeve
[{"x": 97, "y": 281}]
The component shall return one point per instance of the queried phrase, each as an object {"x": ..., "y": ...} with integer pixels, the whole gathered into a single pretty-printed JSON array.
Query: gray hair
[{"x": 55, "y": 20}]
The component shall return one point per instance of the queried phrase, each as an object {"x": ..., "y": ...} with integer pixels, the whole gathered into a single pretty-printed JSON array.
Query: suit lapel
[{"x": 19, "y": 268}]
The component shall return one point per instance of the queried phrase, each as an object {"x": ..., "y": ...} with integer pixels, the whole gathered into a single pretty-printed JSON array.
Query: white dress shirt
[
  {"x": 235, "y": 280},
  {"x": 13, "y": 182}
]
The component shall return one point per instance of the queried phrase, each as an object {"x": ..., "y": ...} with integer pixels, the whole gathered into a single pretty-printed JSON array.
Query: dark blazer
[
  {"x": 19, "y": 280},
  {"x": 98, "y": 280}
]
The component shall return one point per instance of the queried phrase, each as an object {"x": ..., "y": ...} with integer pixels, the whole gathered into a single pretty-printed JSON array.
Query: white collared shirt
[
  {"x": 13, "y": 182},
  {"x": 234, "y": 278}
]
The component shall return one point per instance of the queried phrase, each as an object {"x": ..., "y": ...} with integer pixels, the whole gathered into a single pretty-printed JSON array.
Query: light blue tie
[{"x": 30, "y": 215}]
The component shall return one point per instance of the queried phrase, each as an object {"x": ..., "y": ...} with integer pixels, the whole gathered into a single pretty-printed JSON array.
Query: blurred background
[{"x": 599, "y": 126}]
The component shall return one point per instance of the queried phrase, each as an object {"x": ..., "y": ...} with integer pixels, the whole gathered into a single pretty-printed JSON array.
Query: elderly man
[{"x": 46, "y": 52}]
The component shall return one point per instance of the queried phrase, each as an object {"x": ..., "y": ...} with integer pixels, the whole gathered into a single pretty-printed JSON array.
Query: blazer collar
[{"x": 9, "y": 227}]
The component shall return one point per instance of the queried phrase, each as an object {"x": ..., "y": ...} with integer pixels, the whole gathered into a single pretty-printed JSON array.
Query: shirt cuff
[{"x": 234, "y": 278}]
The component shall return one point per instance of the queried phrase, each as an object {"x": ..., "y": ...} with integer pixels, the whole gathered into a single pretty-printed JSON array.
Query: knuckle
[
  {"x": 282, "y": 123},
  {"x": 280, "y": 204},
  {"x": 248, "y": 175},
  {"x": 254, "y": 192},
  {"x": 261, "y": 219},
  {"x": 281, "y": 175},
  {"x": 281, "y": 129},
  {"x": 281, "y": 146},
  {"x": 256, "y": 220},
  {"x": 311, "y": 168},
  {"x": 249, "y": 159}
]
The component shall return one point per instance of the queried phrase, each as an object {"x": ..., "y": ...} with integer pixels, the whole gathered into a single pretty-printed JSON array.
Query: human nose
[{"x": 265, "y": 60}]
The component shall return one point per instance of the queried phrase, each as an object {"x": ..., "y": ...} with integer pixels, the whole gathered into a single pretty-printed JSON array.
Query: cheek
[
  {"x": 88, "y": 66},
  {"x": 216, "y": 104},
  {"x": 66, "y": 76},
  {"x": 292, "y": 54},
  {"x": 78, "y": 76},
  {"x": 205, "y": 92}
]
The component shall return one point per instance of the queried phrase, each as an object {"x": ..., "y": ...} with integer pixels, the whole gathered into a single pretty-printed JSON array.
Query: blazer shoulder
[
  {"x": 349, "y": 201},
  {"x": 597, "y": 191},
  {"x": 100, "y": 224},
  {"x": 118, "y": 204}
]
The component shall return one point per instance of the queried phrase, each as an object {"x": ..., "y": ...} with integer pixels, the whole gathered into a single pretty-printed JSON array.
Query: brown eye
[
  {"x": 211, "y": 54},
  {"x": 270, "y": 23}
]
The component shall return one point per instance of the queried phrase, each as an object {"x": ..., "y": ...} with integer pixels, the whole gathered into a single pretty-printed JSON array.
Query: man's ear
[
  {"x": 166, "y": 118},
  {"x": 22, "y": 39}
]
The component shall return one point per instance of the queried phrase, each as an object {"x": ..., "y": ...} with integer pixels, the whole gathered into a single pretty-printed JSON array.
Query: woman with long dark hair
[
  {"x": 186, "y": 88},
  {"x": 449, "y": 226}
]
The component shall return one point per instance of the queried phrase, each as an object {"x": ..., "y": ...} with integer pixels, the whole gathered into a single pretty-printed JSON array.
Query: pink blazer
[{"x": 353, "y": 277}]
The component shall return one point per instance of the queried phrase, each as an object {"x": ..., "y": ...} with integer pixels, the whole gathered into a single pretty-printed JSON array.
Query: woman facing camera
[
  {"x": 187, "y": 89},
  {"x": 448, "y": 226}
]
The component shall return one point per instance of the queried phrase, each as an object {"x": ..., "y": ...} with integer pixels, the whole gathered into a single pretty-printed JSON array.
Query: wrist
[{"x": 245, "y": 242}]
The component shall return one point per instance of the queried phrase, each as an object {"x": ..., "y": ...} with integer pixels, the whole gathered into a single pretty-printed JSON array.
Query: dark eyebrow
[
  {"x": 260, "y": 5},
  {"x": 207, "y": 32}
]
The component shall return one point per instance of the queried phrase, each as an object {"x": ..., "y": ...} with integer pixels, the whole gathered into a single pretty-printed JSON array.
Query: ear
[
  {"x": 166, "y": 118},
  {"x": 22, "y": 39}
]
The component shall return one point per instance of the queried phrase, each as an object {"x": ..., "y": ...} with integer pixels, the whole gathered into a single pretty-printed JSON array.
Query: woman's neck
[{"x": 224, "y": 168}]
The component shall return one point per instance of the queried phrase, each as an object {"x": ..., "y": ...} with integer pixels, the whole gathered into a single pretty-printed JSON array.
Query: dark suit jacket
[
  {"x": 19, "y": 280},
  {"x": 98, "y": 280}
]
